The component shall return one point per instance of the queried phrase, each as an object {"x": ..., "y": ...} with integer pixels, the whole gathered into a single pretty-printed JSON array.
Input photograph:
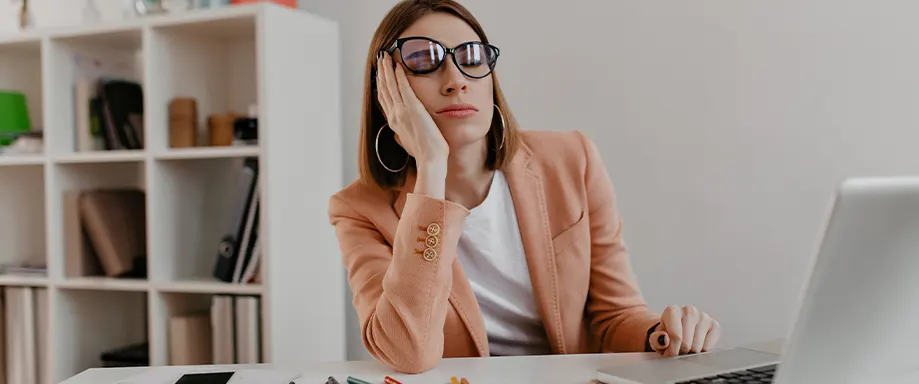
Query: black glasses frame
[{"x": 447, "y": 51}]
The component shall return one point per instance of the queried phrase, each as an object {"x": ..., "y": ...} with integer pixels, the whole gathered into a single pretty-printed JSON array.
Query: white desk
[{"x": 555, "y": 369}]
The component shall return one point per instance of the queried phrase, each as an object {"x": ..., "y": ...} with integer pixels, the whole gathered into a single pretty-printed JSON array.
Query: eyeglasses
[{"x": 422, "y": 55}]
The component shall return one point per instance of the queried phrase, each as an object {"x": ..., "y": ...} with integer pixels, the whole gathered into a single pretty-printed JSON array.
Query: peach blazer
[{"x": 416, "y": 305}]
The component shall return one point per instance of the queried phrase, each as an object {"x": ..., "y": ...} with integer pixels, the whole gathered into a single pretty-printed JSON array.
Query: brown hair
[{"x": 399, "y": 18}]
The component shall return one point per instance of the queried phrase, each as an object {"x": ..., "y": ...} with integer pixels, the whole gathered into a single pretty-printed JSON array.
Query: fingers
[
  {"x": 701, "y": 333},
  {"x": 690, "y": 320},
  {"x": 688, "y": 330},
  {"x": 712, "y": 338},
  {"x": 382, "y": 89},
  {"x": 392, "y": 87},
  {"x": 672, "y": 321}
]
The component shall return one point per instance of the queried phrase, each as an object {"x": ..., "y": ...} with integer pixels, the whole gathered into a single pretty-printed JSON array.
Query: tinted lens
[
  {"x": 476, "y": 59},
  {"x": 421, "y": 55}
]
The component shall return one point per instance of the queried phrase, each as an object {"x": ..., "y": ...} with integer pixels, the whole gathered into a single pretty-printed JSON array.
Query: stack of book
[
  {"x": 24, "y": 269},
  {"x": 23, "y": 335}
]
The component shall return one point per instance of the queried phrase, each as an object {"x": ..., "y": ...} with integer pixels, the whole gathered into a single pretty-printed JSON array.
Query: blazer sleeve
[
  {"x": 401, "y": 290},
  {"x": 618, "y": 314}
]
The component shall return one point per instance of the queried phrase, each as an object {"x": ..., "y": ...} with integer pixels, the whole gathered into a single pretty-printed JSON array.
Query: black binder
[{"x": 228, "y": 250}]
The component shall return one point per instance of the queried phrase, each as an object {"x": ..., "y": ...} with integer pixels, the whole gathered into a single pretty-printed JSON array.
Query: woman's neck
[{"x": 468, "y": 180}]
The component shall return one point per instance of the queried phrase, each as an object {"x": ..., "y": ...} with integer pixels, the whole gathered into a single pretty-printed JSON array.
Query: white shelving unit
[{"x": 286, "y": 62}]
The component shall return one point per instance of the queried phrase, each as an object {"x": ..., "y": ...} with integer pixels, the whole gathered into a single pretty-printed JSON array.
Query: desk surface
[{"x": 557, "y": 369}]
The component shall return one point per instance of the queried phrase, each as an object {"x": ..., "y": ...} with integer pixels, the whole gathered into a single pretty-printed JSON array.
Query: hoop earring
[
  {"x": 503, "y": 128},
  {"x": 376, "y": 146}
]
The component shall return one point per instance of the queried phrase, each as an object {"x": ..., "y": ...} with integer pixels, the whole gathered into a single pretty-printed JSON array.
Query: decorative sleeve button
[
  {"x": 430, "y": 254},
  {"x": 431, "y": 241},
  {"x": 433, "y": 229}
]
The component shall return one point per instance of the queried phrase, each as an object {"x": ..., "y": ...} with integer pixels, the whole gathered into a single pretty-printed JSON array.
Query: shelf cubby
[
  {"x": 98, "y": 321},
  {"x": 77, "y": 60},
  {"x": 77, "y": 177},
  {"x": 191, "y": 200},
  {"x": 214, "y": 63},
  {"x": 20, "y": 71},
  {"x": 22, "y": 216},
  {"x": 191, "y": 318}
]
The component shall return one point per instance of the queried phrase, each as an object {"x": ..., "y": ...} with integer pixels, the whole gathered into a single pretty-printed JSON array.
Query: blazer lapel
[{"x": 532, "y": 216}]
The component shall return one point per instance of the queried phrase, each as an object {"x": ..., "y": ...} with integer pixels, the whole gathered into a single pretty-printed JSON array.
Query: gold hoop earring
[
  {"x": 503, "y": 128},
  {"x": 376, "y": 146}
]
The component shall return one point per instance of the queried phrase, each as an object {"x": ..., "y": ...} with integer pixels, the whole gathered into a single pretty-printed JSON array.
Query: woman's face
[{"x": 449, "y": 89}]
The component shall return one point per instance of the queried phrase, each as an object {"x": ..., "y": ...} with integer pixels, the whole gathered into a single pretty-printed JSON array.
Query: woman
[{"x": 466, "y": 236}]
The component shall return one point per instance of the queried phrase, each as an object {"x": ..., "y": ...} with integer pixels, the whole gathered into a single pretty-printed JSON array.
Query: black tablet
[{"x": 206, "y": 378}]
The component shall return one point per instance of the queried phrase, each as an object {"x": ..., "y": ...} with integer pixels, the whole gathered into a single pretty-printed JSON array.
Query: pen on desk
[
  {"x": 354, "y": 380},
  {"x": 390, "y": 380}
]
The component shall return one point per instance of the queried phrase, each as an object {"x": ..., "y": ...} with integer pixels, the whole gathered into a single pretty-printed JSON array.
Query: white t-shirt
[{"x": 491, "y": 253}]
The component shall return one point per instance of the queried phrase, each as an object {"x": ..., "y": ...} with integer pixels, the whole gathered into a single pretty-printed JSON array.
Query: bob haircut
[{"x": 372, "y": 172}]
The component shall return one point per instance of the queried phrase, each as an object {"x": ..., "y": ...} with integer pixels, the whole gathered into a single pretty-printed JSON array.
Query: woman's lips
[{"x": 458, "y": 111}]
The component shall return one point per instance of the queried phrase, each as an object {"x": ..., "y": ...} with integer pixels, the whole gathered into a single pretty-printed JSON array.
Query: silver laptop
[{"x": 859, "y": 317}]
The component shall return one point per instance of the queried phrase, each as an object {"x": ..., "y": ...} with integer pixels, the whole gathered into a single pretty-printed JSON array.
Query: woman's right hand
[{"x": 407, "y": 117}]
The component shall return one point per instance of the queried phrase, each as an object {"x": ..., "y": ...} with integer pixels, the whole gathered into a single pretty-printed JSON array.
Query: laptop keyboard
[{"x": 759, "y": 375}]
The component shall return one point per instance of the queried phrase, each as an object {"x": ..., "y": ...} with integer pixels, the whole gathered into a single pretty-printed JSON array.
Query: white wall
[{"x": 725, "y": 125}]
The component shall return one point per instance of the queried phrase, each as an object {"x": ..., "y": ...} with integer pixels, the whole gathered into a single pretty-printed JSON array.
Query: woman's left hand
[{"x": 684, "y": 330}]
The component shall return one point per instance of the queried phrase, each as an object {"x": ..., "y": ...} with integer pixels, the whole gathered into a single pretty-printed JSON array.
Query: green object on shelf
[{"x": 14, "y": 116}]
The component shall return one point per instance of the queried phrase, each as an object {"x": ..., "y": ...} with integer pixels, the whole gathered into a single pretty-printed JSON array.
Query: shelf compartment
[
  {"x": 20, "y": 72},
  {"x": 190, "y": 214},
  {"x": 22, "y": 222},
  {"x": 195, "y": 328},
  {"x": 213, "y": 62},
  {"x": 97, "y": 321},
  {"x": 78, "y": 60},
  {"x": 73, "y": 255}
]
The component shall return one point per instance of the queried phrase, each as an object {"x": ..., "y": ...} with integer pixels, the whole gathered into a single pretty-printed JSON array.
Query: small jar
[{"x": 220, "y": 129}]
